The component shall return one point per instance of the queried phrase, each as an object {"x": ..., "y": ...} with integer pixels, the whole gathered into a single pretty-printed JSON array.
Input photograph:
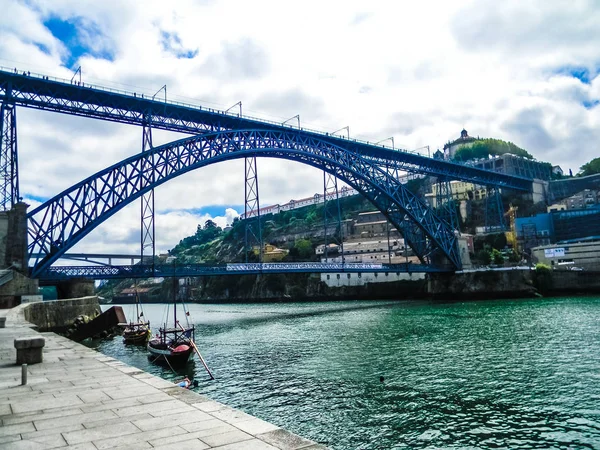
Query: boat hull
[
  {"x": 136, "y": 337},
  {"x": 160, "y": 354}
]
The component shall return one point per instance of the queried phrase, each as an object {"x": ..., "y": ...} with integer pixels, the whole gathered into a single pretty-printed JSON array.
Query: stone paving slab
[{"x": 79, "y": 399}]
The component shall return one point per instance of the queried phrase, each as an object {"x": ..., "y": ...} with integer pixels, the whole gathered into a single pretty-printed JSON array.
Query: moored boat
[
  {"x": 136, "y": 333},
  {"x": 172, "y": 346}
]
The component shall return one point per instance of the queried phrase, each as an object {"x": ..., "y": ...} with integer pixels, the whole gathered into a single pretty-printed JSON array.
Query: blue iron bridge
[
  {"x": 106, "y": 272},
  {"x": 373, "y": 170}
]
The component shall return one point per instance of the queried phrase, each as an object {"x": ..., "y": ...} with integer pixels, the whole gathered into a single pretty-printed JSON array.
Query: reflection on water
[{"x": 516, "y": 374}]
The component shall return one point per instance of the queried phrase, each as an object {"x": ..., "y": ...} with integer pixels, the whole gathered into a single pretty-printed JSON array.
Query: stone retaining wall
[{"x": 60, "y": 314}]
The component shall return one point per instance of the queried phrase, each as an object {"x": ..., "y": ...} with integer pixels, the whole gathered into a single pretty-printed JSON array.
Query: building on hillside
[
  {"x": 575, "y": 254},
  {"x": 534, "y": 231},
  {"x": 464, "y": 140},
  {"x": 556, "y": 207},
  {"x": 587, "y": 198},
  {"x": 145, "y": 294},
  {"x": 515, "y": 165},
  {"x": 557, "y": 171},
  {"x": 576, "y": 224},
  {"x": 562, "y": 225},
  {"x": 316, "y": 199},
  {"x": 361, "y": 279},
  {"x": 461, "y": 190},
  {"x": 332, "y": 249}
]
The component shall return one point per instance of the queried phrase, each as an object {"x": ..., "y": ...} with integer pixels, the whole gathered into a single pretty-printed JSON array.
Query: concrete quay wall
[
  {"x": 60, "y": 314},
  {"x": 79, "y": 398}
]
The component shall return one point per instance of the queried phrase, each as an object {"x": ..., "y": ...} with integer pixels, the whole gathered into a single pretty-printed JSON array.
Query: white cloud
[{"x": 417, "y": 71}]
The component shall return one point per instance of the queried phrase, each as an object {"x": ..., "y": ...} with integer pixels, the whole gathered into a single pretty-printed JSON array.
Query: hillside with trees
[
  {"x": 483, "y": 148},
  {"x": 590, "y": 168}
]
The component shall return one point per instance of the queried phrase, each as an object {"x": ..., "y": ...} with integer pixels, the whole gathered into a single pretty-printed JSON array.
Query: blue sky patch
[
  {"x": 583, "y": 74},
  {"x": 77, "y": 35},
  {"x": 589, "y": 104},
  {"x": 35, "y": 198},
  {"x": 213, "y": 211},
  {"x": 171, "y": 42}
]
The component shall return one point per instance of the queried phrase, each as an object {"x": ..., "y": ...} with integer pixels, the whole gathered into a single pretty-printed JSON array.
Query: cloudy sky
[{"x": 526, "y": 72}]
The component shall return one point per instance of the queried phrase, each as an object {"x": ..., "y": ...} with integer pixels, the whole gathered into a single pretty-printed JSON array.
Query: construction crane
[{"x": 511, "y": 236}]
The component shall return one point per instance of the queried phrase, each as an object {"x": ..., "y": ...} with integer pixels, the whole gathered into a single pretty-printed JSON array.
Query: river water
[{"x": 488, "y": 374}]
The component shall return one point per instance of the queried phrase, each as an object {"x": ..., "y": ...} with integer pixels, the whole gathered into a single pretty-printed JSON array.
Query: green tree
[
  {"x": 483, "y": 148},
  {"x": 497, "y": 257},
  {"x": 304, "y": 248},
  {"x": 514, "y": 257},
  {"x": 590, "y": 168}
]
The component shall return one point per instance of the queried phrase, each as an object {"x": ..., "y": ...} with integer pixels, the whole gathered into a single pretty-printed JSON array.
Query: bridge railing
[
  {"x": 150, "y": 97},
  {"x": 57, "y": 273}
]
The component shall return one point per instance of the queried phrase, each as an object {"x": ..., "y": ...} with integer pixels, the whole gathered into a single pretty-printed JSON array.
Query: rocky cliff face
[
  {"x": 296, "y": 287},
  {"x": 484, "y": 284}
]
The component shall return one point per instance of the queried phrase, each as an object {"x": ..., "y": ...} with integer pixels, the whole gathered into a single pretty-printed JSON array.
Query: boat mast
[
  {"x": 137, "y": 312},
  {"x": 175, "y": 301}
]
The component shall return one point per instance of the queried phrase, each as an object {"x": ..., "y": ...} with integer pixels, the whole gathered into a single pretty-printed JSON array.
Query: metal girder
[
  {"x": 40, "y": 92},
  {"x": 9, "y": 162},
  {"x": 494, "y": 211},
  {"x": 253, "y": 230},
  {"x": 444, "y": 202},
  {"x": 189, "y": 270},
  {"x": 332, "y": 213},
  {"x": 64, "y": 220}
]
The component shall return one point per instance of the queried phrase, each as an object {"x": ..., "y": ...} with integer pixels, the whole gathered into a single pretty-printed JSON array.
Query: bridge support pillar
[
  {"x": 75, "y": 288},
  {"x": 9, "y": 167},
  {"x": 253, "y": 231},
  {"x": 494, "y": 211},
  {"x": 147, "y": 241},
  {"x": 13, "y": 238},
  {"x": 14, "y": 282},
  {"x": 332, "y": 214}
]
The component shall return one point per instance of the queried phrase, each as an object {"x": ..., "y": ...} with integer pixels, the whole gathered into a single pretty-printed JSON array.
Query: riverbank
[
  {"x": 79, "y": 398},
  {"x": 497, "y": 283}
]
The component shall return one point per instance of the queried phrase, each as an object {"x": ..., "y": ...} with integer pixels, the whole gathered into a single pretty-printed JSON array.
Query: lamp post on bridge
[
  {"x": 391, "y": 138},
  {"x": 297, "y": 116},
  {"x": 347, "y": 128}
]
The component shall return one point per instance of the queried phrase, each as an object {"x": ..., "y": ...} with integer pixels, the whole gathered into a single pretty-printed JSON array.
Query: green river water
[{"x": 486, "y": 374}]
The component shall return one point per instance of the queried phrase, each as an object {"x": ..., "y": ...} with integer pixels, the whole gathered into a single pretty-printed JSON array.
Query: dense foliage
[
  {"x": 205, "y": 235},
  {"x": 483, "y": 148},
  {"x": 590, "y": 168}
]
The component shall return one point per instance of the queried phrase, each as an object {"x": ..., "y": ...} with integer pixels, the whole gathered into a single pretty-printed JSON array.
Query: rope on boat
[
  {"x": 185, "y": 313},
  {"x": 199, "y": 355},
  {"x": 170, "y": 366}
]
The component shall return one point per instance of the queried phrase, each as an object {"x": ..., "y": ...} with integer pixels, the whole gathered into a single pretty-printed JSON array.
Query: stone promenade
[{"x": 80, "y": 399}]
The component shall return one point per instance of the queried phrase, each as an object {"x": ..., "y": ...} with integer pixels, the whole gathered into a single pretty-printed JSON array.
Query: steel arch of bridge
[
  {"x": 61, "y": 222},
  {"x": 39, "y": 92}
]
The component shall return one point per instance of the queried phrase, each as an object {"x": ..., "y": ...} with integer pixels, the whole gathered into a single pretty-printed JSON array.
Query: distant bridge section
[
  {"x": 95, "y": 258},
  {"x": 60, "y": 273},
  {"x": 50, "y": 94}
]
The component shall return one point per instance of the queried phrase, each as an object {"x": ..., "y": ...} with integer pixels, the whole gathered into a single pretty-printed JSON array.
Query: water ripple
[{"x": 496, "y": 374}]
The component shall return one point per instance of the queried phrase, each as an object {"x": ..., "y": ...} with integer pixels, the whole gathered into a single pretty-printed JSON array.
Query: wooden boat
[
  {"x": 172, "y": 346},
  {"x": 137, "y": 333}
]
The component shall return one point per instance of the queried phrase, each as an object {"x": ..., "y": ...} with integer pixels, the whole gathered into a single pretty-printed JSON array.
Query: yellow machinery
[{"x": 511, "y": 236}]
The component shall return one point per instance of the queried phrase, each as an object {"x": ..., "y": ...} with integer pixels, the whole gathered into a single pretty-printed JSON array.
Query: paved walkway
[{"x": 80, "y": 399}]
